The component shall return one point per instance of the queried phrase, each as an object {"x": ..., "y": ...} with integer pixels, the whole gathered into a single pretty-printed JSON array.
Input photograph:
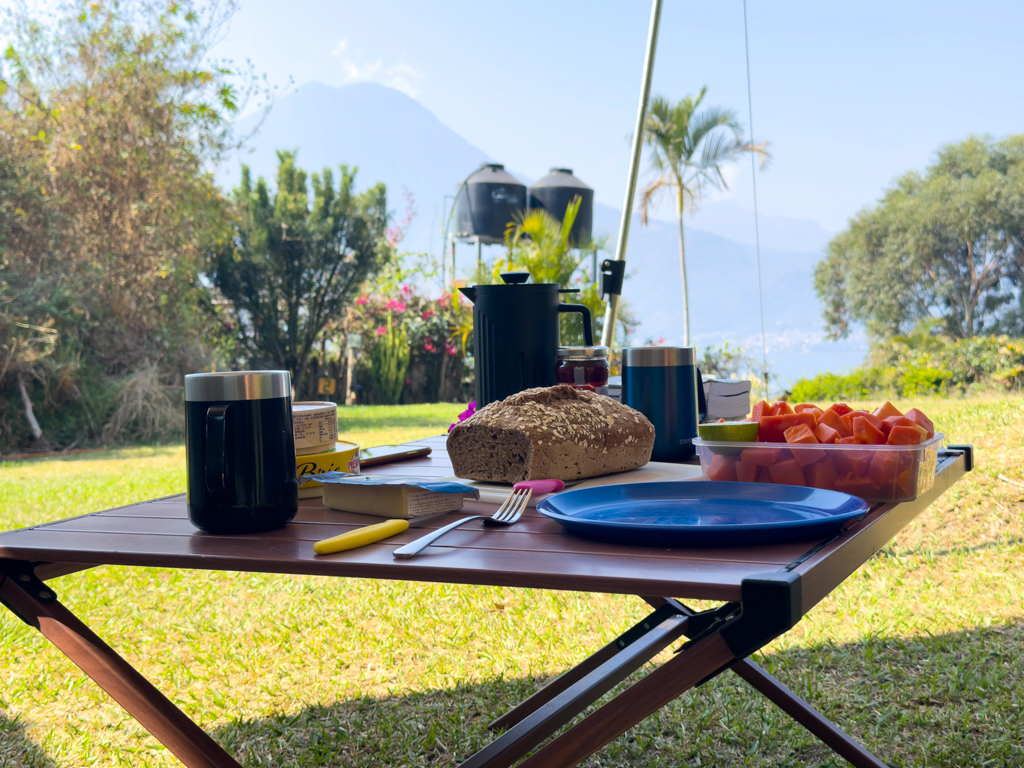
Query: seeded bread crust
[{"x": 550, "y": 432}]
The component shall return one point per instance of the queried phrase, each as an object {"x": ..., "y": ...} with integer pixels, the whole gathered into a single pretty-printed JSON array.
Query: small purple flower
[{"x": 465, "y": 414}]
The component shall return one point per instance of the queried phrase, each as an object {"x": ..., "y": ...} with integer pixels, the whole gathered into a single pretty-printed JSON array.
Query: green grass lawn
[{"x": 920, "y": 654}]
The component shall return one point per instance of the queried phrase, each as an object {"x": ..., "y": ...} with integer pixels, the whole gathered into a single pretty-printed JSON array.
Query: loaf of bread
[{"x": 550, "y": 432}]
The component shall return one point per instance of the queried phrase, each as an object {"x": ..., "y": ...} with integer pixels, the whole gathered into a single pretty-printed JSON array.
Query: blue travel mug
[{"x": 663, "y": 383}]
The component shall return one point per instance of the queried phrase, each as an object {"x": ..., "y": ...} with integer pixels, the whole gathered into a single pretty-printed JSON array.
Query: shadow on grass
[
  {"x": 17, "y": 749},
  {"x": 946, "y": 700}
]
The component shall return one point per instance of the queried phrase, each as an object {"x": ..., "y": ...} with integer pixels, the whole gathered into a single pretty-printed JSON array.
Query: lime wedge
[{"x": 731, "y": 431}]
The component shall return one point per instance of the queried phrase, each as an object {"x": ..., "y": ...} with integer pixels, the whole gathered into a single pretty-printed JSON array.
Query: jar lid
[{"x": 582, "y": 353}]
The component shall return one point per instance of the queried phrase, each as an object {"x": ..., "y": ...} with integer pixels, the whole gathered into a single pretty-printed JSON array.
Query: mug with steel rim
[
  {"x": 664, "y": 384},
  {"x": 240, "y": 451}
]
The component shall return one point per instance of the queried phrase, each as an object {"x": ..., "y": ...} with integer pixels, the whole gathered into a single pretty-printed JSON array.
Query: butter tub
[{"x": 344, "y": 458}]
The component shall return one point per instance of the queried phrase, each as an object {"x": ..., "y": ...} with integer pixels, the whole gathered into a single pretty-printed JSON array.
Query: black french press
[{"x": 516, "y": 334}]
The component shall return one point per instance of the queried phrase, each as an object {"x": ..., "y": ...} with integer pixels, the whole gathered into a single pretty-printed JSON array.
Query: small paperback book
[{"x": 397, "y": 496}]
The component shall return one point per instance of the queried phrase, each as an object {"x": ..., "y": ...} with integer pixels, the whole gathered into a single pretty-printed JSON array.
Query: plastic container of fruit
[{"x": 871, "y": 472}]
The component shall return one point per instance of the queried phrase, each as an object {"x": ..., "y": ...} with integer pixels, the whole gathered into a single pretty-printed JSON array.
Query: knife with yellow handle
[{"x": 360, "y": 537}]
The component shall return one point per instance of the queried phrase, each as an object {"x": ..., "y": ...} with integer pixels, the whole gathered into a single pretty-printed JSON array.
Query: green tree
[
  {"x": 688, "y": 150},
  {"x": 110, "y": 117},
  {"x": 947, "y": 246},
  {"x": 288, "y": 267}
]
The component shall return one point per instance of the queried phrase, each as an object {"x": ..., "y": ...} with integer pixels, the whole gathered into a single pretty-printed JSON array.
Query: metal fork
[{"x": 509, "y": 512}]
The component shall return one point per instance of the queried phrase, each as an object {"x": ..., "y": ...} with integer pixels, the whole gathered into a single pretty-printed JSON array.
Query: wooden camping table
[{"x": 765, "y": 590}]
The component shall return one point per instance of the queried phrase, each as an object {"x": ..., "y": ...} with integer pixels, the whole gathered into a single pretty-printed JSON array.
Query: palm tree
[{"x": 688, "y": 152}]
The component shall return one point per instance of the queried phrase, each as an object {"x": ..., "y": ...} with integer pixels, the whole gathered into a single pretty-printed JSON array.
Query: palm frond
[
  {"x": 651, "y": 192},
  {"x": 712, "y": 119}
]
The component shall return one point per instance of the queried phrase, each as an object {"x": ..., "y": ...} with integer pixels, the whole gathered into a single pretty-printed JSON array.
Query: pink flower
[
  {"x": 428, "y": 314},
  {"x": 428, "y": 345},
  {"x": 407, "y": 290},
  {"x": 362, "y": 300},
  {"x": 465, "y": 414},
  {"x": 396, "y": 305},
  {"x": 381, "y": 331}
]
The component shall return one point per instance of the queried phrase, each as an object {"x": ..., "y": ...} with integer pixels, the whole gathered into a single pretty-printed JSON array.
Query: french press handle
[{"x": 588, "y": 331}]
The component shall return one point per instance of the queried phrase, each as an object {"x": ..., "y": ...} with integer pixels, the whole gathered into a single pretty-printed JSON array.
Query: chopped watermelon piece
[
  {"x": 886, "y": 410},
  {"x": 801, "y": 433},
  {"x": 896, "y": 421},
  {"x": 886, "y": 466},
  {"x": 764, "y": 475},
  {"x": 857, "y": 486},
  {"x": 821, "y": 474},
  {"x": 772, "y": 429},
  {"x": 762, "y": 457},
  {"x": 907, "y": 435},
  {"x": 781, "y": 408},
  {"x": 747, "y": 473},
  {"x": 922, "y": 421},
  {"x": 866, "y": 433},
  {"x": 760, "y": 409},
  {"x": 848, "y": 420},
  {"x": 851, "y": 462},
  {"x": 787, "y": 473},
  {"x": 808, "y": 408},
  {"x": 722, "y": 469},
  {"x": 840, "y": 409},
  {"x": 826, "y": 434},
  {"x": 835, "y": 421}
]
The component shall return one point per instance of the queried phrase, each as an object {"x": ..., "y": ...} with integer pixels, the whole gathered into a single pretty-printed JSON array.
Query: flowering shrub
[{"x": 436, "y": 370}]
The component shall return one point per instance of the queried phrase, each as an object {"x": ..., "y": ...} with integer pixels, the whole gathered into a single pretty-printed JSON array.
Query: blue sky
[{"x": 849, "y": 95}]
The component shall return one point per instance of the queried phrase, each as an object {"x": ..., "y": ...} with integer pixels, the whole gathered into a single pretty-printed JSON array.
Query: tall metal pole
[{"x": 634, "y": 168}]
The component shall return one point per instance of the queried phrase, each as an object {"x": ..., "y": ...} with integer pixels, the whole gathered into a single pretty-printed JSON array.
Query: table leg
[
  {"x": 806, "y": 715},
  {"x": 703, "y": 658},
  {"x": 584, "y": 668},
  {"x": 563, "y": 707},
  {"x": 36, "y": 604},
  {"x": 794, "y": 706}
]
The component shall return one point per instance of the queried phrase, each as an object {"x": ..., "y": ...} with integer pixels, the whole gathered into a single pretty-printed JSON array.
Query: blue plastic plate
[{"x": 701, "y": 512}]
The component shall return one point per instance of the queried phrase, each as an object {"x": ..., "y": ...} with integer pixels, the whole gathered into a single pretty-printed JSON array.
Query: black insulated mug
[{"x": 240, "y": 451}]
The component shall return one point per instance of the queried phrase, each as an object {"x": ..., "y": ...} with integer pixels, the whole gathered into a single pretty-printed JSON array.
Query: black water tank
[
  {"x": 488, "y": 202},
  {"x": 554, "y": 192}
]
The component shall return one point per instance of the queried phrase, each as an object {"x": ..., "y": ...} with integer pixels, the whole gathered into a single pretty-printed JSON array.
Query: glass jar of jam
[{"x": 583, "y": 368}]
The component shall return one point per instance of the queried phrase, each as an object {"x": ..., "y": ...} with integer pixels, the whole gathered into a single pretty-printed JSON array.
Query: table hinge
[
  {"x": 638, "y": 630},
  {"x": 22, "y": 575},
  {"x": 706, "y": 622}
]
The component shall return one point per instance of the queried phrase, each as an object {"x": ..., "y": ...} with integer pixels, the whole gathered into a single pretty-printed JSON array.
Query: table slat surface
[{"x": 536, "y": 552}]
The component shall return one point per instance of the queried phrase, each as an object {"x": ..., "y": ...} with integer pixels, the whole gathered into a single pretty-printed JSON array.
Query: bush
[{"x": 923, "y": 364}]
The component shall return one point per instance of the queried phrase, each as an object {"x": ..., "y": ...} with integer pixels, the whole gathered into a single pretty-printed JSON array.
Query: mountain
[
  {"x": 390, "y": 136},
  {"x": 395, "y": 139}
]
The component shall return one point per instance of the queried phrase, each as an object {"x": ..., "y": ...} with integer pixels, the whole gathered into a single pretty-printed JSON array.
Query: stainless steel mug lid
[
  {"x": 237, "y": 385},
  {"x": 658, "y": 357}
]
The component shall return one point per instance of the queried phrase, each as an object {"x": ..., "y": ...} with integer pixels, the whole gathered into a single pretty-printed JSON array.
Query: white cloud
[{"x": 401, "y": 76}]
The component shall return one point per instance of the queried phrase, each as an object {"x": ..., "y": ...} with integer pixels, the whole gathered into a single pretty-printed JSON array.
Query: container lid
[
  {"x": 658, "y": 357},
  {"x": 559, "y": 178},
  {"x": 237, "y": 385},
  {"x": 582, "y": 353},
  {"x": 493, "y": 173}
]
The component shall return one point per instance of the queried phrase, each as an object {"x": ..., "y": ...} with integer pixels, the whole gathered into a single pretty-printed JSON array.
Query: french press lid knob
[{"x": 515, "y": 278}]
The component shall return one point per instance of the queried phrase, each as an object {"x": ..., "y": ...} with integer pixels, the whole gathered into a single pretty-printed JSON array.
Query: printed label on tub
[{"x": 314, "y": 423}]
